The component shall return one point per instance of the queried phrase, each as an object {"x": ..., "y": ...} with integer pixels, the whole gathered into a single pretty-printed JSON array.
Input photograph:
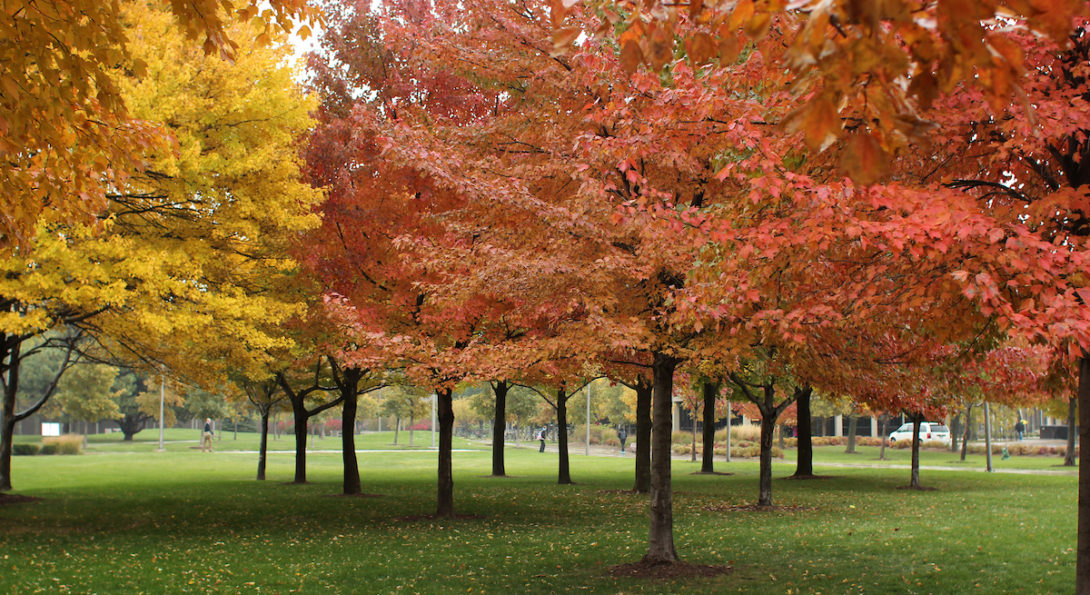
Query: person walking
[
  {"x": 206, "y": 435},
  {"x": 1019, "y": 428},
  {"x": 541, "y": 437},
  {"x": 622, "y": 435}
]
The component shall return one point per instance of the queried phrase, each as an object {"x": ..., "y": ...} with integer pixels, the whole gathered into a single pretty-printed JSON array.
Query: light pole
[{"x": 162, "y": 400}]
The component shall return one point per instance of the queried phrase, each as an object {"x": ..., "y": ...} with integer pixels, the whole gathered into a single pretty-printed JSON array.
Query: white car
[{"x": 929, "y": 432}]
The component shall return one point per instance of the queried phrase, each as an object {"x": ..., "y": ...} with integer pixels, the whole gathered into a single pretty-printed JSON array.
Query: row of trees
[{"x": 886, "y": 204}]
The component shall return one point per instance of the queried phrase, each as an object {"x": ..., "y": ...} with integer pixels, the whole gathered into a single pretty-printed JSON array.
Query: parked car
[{"x": 929, "y": 432}]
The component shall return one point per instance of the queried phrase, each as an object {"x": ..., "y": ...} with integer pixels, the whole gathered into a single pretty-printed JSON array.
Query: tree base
[
  {"x": 666, "y": 570},
  {"x": 919, "y": 488},
  {"x": 6, "y": 499}
]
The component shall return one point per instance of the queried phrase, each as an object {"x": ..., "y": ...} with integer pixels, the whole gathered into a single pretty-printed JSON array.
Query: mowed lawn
[{"x": 182, "y": 520}]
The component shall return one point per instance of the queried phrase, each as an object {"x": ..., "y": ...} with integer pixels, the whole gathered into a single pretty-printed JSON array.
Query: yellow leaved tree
[
  {"x": 186, "y": 266},
  {"x": 66, "y": 135}
]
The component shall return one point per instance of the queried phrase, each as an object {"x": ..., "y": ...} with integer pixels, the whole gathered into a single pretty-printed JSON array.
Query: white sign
[{"x": 51, "y": 429}]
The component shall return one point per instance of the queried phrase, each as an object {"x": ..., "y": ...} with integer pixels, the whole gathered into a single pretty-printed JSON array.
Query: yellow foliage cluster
[{"x": 187, "y": 262}]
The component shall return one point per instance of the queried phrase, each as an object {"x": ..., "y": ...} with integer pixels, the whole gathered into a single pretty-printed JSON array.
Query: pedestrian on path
[
  {"x": 622, "y": 435},
  {"x": 541, "y": 437},
  {"x": 206, "y": 435},
  {"x": 1019, "y": 428}
]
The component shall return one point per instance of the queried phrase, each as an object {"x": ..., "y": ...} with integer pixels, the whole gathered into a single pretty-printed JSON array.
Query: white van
[{"x": 929, "y": 432}]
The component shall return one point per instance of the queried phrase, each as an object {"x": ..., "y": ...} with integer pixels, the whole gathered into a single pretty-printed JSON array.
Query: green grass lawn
[
  {"x": 185, "y": 440},
  {"x": 183, "y": 520}
]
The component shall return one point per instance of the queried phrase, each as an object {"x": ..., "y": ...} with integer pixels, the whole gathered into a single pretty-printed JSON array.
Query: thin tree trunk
[
  {"x": 445, "y": 506},
  {"x": 1069, "y": 456},
  {"x": 300, "y": 416},
  {"x": 643, "y": 437},
  {"x": 7, "y": 417},
  {"x": 955, "y": 427},
  {"x": 804, "y": 465},
  {"x": 692, "y": 451},
  {"x": 1082, "y": 556},
  {"x": 968, "y": 428},
  {"x": 883, "y": 423},
  {"x": 768, "y": 428},
  {"x": 263, "y": 449},
  {"x": 499, "y": 424},
  {"x": 914, "y": 482},
  {"x": 853, "y": 426},
  {"x": 711, "y": 391},
  {"x": 661, "y": 536},
  {"x": 564, "y": 470},
  {"x": 349, "y": 387},
  {"x": 397, "y": 427}
]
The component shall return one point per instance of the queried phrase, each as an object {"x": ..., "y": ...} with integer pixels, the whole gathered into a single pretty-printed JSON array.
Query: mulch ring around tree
[
  {"x": 666, "y": 570},
  {"x": 756, "y": 508},
  {"x": 6, "y": 499}
]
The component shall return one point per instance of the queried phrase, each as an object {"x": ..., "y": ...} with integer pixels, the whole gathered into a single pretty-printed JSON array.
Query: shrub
[
  {"x": 598, "y": 434},
  {"x": 25, "y": 448},
  {"x": 69, "y": 444}
]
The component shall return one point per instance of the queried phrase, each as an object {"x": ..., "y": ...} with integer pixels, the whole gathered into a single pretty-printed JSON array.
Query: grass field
[{"x": 136, "y": 520}]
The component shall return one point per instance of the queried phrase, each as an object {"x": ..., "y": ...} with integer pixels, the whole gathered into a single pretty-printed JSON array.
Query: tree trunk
[
  {"x": 968, "y": 427},
  {"x": 350, "y": 381},
  {"x": 711, "y": 391},
  {"x": 804, "y": 465},
  {"x": 883, "y": 423},
  {"x": 499, "y": 424},
  {"x": 299, "y": 415},
  {"x": 7, "y": 429},
  {"x": 263, "y": 449},
  {"x": 955, "y": 427},
  {"x": 563, "y": 475},
  {"x": 661, "y": 539},
  {"x": 1082, "y": 556},
  {"x": 445, "y": 506},
  {"x": 768, "y": 428},
  {"x": 397, "y": 428},
  {"x": 643, "y": 437},
  {"x": 692, "y": 451},
  {"x": 1072, "y": 409},
  {"x": 7, "y": 417},
  {"x": 853, "y": 423},
  {"x": 914, "y": 482}
]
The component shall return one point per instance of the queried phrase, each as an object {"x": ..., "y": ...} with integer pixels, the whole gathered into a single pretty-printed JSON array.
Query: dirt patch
[
  {"x": 666, "y": 570},
  {"x": 756, "y": 508},
  {"x": 6, "y": 499}
]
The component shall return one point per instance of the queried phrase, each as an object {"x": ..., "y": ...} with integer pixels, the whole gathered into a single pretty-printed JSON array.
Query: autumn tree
[{"x": 69, "y": 133}]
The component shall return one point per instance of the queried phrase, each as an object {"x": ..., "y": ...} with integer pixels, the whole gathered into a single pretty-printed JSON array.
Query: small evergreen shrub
[{"x": 25, "y": 448}]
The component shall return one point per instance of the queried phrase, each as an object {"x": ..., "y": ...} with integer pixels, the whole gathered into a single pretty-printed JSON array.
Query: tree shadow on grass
[
  {"x": 809, "y": 477},
  {"x": 723, "y": 473},
  {"x": 758, "y": 508},
  {"x": 414, "y": 518},
  {"x": 6, "y": 499},
  {"x": 661, "y": 571}
]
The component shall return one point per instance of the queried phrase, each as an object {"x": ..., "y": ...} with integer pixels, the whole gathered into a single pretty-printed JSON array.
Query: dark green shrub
[{"x": 25, "y": 448}]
